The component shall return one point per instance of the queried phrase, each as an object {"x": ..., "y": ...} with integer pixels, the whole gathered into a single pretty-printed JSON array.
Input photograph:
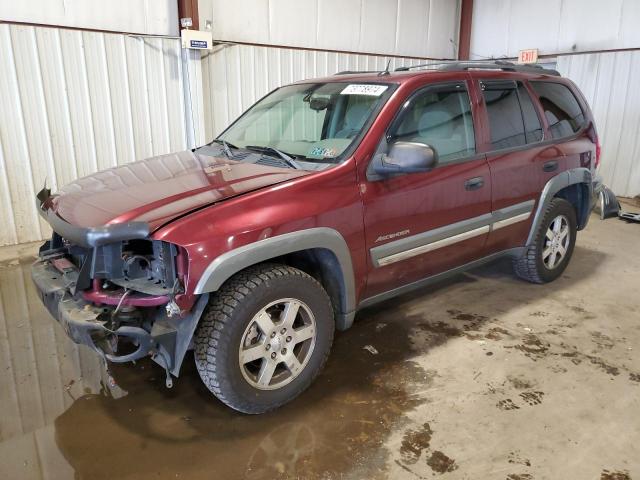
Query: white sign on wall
[{"x": 196, "y": 39}]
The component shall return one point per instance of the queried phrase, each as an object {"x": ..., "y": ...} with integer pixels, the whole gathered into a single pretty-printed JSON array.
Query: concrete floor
[{"x": 482, "y": 377}]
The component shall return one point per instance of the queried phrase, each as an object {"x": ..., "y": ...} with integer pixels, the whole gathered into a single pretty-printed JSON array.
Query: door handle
[
  {"x": 474, "y": 183},
  {"x": 551, "y": 166}
]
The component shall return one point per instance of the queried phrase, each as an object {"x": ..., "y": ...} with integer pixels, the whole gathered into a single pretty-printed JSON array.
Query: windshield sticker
[
  {"x": 363, "y": 89},
  {"x": 322, "y": 152}
]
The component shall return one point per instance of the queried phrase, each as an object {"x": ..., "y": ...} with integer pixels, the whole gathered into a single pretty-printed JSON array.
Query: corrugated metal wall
[
  {"x": 149, "y": 17},
  {"x": 73, "y": 102},
  {"x": 236, "y": 76},
  {"x": 610, "y": 82},
  {"x": 502, "y": 27},
  {"x": 421, "y": 28}
]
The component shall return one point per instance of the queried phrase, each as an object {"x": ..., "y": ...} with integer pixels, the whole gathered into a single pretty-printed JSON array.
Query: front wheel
[
  {"x": 549, "y": 254},
  {"x": 264, "y": 337}
]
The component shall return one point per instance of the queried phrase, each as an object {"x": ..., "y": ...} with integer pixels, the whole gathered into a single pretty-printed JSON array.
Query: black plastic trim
[
  {"x": 89, "y": 236},
  {"x": 381, "y": 297}
]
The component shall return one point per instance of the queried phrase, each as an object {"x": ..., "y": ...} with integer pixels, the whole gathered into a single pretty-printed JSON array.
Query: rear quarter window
[{"x": 561, "y": 108}]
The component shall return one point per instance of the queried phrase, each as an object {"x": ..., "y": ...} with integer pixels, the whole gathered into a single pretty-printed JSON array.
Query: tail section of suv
[{"x": 324, "y": 197}]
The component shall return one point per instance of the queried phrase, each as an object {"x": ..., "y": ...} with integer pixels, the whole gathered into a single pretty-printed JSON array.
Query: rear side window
[
  {"x": 513, "y": 120},
  {"x": 439, "y": 116},
  {"x": 561, "y": 108},
  {"x": 505, "y": 115},
  {"x": 532, "y": 125}
]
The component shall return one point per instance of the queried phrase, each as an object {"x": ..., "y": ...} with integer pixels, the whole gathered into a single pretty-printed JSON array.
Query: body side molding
[
  {"x": 233, "y": 261},
  {"x": 552, "y": 187},
  {"x": 429, "y": 247},
  {"x": 418, "y": 243},
  {"x": 444, "y": 236}
]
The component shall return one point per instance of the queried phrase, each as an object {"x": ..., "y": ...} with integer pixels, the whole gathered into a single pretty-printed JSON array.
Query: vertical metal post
[
  {"x": 464, "y": 39},
  {"x": 189, "y": 9}
]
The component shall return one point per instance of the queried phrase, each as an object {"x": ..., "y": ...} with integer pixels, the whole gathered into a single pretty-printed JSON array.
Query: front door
[{"x": 420, "y": 224}]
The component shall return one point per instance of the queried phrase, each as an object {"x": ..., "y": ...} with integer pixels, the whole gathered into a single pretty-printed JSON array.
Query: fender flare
[
  {"x": 553, "y": 186},
  {"x": 233, "y": 261}
]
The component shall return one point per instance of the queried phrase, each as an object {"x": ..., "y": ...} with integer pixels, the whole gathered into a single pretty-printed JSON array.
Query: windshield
[{"x": 310, "y": 122}]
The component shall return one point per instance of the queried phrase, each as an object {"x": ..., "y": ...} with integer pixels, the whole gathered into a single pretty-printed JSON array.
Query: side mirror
[{"x": 407, "y": 157}]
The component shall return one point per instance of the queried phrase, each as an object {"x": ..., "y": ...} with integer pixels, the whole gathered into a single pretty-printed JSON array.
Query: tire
[
  {"x": 237, "y": 326},
  {"x": 537, "y": 265}
]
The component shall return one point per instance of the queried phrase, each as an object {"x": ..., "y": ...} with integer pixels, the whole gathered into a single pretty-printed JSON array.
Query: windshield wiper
[
  {"x": 226, "y": 146},
  {"x": 287, "y": 158}
]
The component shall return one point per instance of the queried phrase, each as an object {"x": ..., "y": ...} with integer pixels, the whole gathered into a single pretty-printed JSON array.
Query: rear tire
[
  {"x": 264, "y": 337},
  {"x": 549, "y": 254}
]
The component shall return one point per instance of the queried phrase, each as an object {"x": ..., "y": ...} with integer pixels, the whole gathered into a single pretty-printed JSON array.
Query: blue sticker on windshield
[{"x": 322, "y": 152}]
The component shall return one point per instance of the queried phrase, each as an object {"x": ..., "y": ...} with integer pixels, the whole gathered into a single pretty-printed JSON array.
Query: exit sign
[{"x": 528, "y": 56}]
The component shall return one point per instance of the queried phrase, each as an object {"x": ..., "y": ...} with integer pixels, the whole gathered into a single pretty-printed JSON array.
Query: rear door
[
  {"x": 519, "y": 161},
  {"x": 421, "y": 224},
  {"x": 565, "y": 119}
]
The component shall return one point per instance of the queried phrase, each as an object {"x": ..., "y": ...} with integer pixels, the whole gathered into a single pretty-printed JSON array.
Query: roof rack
[
  {"x": 352, "y": 72},
  {"x": 483, "y": 65},
  {"x": 422, "y": 65}
]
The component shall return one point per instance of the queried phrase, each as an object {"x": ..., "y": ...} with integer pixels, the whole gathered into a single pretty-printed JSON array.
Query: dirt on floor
[{"x": 482, "y": 377}]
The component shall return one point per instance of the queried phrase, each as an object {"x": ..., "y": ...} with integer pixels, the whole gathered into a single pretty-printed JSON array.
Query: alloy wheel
[
  {"x": 277, "y": 344},
  {"x": 557, "y": 239}
]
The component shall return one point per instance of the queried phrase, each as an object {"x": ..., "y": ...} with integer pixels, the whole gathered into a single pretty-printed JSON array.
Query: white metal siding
[
  {"x": 151, "y": 17},
  {"x": 420, "y": 28},
  {"x": 236, "y": 76},
  {"x": 503, "y": 27},
  {"x": 610, "y": 82},
  {"x": 74, "y": 102}
]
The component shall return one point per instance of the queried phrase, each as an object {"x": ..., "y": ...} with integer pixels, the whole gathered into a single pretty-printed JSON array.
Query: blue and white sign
[{"x": 198, "y": 44}]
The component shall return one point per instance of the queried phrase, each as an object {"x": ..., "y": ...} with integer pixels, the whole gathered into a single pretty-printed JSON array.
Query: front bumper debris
[
  {"x": 165, "y": 339},
  {"x": 83, "y": 322},
  {"x": 607, "y": 205}
]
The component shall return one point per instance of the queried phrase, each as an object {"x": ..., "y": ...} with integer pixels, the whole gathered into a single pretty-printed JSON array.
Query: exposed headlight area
[
  {"x": 146, "y": 267},
  {"x": 116, "y": 298}
]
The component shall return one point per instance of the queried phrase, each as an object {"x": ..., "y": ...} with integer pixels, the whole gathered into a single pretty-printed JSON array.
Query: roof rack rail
[
  {"x": 495, "y": 65},
  {"x": 421, "y": 65},
  {"x": 353, "y": 72}
]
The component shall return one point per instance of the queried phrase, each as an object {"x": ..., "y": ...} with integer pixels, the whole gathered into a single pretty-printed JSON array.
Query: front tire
[
  {"x": 549, "y": 254},
  {"x": 264, "y": 337}
]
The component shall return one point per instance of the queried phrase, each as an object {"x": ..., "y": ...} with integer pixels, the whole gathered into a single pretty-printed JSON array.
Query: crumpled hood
[{"x": 159, "y": 189}]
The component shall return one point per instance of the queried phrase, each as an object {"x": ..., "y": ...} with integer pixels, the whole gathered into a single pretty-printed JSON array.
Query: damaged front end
[{"x": 114, "y": 290}]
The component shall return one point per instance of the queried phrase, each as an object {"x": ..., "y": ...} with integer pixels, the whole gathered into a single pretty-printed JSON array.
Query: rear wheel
[
  {"x": 549, "y": 254},
  {"x": 264, "y": 337}
]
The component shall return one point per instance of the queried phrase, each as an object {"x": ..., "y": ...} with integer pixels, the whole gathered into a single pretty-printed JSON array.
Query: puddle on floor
[{"x": 60, "y": 421}]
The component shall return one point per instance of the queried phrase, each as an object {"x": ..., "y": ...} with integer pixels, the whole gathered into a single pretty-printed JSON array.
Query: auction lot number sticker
[{"x": 364, "y": 89}]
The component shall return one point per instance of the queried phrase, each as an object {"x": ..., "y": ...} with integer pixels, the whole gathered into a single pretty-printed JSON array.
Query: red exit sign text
[{"x": 528, "y": 56}]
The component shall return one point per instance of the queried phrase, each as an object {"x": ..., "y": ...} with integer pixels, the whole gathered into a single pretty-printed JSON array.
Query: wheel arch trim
[
  {"x": 552, "y": 187},
  {"x": 233, "y": 261}
]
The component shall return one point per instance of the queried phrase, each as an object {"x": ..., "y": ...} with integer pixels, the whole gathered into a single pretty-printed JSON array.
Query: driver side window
[{"x": 439, "y": 117}]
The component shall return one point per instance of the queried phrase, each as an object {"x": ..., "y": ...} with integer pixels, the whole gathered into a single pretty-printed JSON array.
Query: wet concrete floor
[{"x": 482, "y": 377}]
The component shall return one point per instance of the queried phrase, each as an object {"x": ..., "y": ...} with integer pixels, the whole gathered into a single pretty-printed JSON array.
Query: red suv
[{"x": 324, "y": 197}]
